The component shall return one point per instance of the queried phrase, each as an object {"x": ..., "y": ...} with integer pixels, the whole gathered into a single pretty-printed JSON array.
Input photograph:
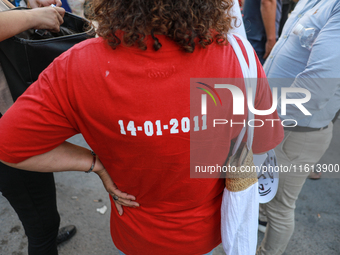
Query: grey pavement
[{"x": 317, "y": 228}]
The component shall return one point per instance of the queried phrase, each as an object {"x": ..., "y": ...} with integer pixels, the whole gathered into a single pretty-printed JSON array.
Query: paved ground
[{"x": 317, "y": 229}]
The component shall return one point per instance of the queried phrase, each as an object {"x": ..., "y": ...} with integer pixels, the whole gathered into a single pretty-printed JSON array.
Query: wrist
[
  {"x": 98, "y": 165},
  {"x": 31, "y": 19},
  {"x": 94, "y": 160},
  {"x": 271, "y": 39}
]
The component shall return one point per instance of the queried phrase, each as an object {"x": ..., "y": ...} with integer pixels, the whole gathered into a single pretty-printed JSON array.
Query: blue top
[
  {"x": 66, "y": 6},
  {"x": 316, "y": 70},
  {"x": 252, "y": 19}
]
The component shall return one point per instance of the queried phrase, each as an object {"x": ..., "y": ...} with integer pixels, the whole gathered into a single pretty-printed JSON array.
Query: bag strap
[{"x": 248, "y": 72}]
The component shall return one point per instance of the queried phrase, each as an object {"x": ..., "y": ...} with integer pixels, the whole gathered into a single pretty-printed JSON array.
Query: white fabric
[
  {"x": 239, "y": 210},
  {"x": 268, "y": 180},
  {"x": 250, "y": 75},
  {"x": 239, "y": 216},
  {"x": 236, "y": 12}
]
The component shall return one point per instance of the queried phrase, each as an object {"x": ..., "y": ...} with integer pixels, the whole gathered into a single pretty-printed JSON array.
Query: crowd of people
[{"x": 129, "y": 93}]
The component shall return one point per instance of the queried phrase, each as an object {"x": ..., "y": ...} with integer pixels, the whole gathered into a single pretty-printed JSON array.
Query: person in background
[
  {"x": 77, "y": 7},
  {"x": 261, "y": 20},
  {"x": 314, "y": 175},
  {"x": 238, "y": 27},
  {"x": 298, "y": 62},
  {"x": 31, "y": 194},
  {"x": 287, "y": 7}
]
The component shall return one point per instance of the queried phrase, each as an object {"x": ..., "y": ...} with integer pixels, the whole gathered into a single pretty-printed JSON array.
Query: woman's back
[{"x": 133, "y": 108}]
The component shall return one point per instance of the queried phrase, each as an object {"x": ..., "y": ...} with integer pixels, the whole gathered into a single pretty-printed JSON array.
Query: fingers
[
  {"x": 266, "y": 54},
  {"x": 268, "y": 48},
  {"x": 124, "y": 201},
  {"x": 61, "y": 12},
  {"x": 119, "y": 198},
  {"x": 33, "y": 3},
  {"x": 42, "y": 3},
  {"x": 58, "y": 3},
  {"x": 120, "y": 202},
  {"x": 49, "y": 18},
  {"x": 123, "y": 195},
  {"x": 122, "y": 198},
  {"x": 119, "y": 209},
  {"x": 60, "y": 15}
]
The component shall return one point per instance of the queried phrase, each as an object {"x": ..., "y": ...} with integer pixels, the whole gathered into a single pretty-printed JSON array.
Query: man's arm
[
  {"x": 268, "y": 12},
  {"x": 15, "y": 22}
]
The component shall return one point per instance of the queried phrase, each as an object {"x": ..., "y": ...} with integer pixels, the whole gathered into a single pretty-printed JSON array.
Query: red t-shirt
[{"x": 132, "y": 108}]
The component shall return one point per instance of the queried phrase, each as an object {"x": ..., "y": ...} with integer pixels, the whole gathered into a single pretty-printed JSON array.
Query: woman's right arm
[{"x": 15, "y": 22}]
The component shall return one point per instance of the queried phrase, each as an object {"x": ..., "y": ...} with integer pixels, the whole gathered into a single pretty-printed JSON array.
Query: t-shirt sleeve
[
  {"x": 268, "y": 131},
  {"x": 37, "y": 123}
]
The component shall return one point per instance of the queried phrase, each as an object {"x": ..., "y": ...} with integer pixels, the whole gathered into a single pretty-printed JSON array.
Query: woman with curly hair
[{"x": 128, "y": 93}]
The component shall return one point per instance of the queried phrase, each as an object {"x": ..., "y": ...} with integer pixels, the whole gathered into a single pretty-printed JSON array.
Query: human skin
[
  {"x": 268, "y": 12},
  {"x": 70, "y": 157},
  {"x": 15, "y": 22}
]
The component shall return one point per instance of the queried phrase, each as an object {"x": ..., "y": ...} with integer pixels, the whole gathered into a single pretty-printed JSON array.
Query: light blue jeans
[{"x": 210, "y": 253}]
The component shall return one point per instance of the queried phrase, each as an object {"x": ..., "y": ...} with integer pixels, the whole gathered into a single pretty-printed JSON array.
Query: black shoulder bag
[{"x": 24, "y": 56}]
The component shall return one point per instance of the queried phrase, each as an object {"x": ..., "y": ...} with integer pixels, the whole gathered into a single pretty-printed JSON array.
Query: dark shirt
[{"x": 253, "y": 19}]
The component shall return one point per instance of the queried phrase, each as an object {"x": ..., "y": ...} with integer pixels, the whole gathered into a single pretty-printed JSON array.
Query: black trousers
[
  {"x": 286, "y": 9},
  {"x": 33, "y": 197}
]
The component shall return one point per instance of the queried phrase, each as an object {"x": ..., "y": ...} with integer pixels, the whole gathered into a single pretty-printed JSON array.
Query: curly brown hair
[{"x": 186, "y": 22}]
